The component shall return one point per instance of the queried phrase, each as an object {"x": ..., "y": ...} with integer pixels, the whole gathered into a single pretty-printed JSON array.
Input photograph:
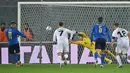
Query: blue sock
[
  {"x": 18, "y": 57},
  {"x": 102, "y": 59},
  {"x": 96, "y": 55},
  {"x": 14, "y": 57}
]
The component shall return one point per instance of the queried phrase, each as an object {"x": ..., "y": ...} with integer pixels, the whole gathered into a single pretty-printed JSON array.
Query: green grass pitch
[{"x": 54, "y": 68}]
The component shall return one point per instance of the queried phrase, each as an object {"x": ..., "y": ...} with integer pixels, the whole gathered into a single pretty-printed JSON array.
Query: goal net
[{"x": 79, "y": 16}]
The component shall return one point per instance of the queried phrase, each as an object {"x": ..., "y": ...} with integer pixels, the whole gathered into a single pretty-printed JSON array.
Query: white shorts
[
  {"x": 122, "y": 47},
  {"x": 63, "y": 47}
]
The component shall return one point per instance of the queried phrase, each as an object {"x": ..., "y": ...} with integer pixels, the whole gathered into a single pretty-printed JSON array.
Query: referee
[
  {"x": 14, "y": 50},
  {"x": 98, "y": 34}
]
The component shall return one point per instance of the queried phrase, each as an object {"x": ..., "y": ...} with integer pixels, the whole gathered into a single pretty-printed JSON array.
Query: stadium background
[{"x": 80, "y": 19}]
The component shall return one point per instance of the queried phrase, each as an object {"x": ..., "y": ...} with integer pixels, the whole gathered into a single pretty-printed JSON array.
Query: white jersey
[
  {"x": 120, "y": 34},
  {"x": 122, "y": 40},
  {"x": 61, "y": 35}
]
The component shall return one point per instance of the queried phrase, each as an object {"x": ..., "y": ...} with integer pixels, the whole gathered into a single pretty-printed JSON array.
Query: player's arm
[
  {"x": 54, "y": 37},
  {"x": 109, "y": 36},
  {"x": 71, "y": 33},
  {"x": 91, "y": 33},
  {"x": 114, "y": 36},
  {"x": 75, "y": 42},
  {"x": 20, "y": 34}
]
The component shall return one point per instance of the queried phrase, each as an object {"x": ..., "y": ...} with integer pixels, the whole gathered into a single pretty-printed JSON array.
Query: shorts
[
  {"x": 100, "y": 43},
  {"x": 122, "y": 46},
  {"x": 62, "y": 47},
  {"x": 14, "y": 48}
]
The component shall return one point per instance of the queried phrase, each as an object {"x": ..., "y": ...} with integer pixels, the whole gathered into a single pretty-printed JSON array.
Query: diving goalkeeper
[{"x": 86, "y": 42}]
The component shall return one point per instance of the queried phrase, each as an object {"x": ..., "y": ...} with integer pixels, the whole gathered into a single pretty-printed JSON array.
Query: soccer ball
[{"x": 48, "y": 28}]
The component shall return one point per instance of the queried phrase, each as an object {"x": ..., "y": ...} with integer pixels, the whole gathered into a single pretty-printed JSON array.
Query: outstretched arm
[{"x": 75, "y": 42}]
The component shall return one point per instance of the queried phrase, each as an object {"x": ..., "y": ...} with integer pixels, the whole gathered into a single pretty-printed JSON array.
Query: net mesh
[{"x": 79, "y": 17}]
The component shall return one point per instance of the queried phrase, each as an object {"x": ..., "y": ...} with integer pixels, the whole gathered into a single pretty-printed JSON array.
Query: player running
[
  {"x": 122, "y": 42},
  {"x": 14, "y": 50},
  {"x": 86, "y": 42},
  {"x": 98, "y": 34},
  {"x": 61, "y": 38}
]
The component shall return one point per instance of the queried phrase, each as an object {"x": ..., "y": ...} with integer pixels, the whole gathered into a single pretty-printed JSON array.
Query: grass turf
[{"x": 54, "y": 68}]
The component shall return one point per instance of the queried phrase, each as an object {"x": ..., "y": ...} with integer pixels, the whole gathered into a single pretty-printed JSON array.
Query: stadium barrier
[{"x": 48, "y": 54}]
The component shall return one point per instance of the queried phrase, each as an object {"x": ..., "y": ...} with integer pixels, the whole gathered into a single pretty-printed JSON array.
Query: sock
[
  {"x": 66, "y": 56},
  {"x": 14, "y": 57},
  {"x": 109, "y": 52},
  {"x": 102, "y": 59},
  {"x": 18, "y": 57},
  {"x": 60, "y": 59},
  {"x": 107, "y": 59},
  {"x": 96, "y": 55},
  {"x": 118, "y": 60}
]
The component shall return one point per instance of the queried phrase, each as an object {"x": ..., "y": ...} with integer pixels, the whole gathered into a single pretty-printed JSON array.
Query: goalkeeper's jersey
[{"x": 86, "y": 42}]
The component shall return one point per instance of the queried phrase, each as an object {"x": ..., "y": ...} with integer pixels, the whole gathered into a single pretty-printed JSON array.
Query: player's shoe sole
[{"x": 119, "y": 66}]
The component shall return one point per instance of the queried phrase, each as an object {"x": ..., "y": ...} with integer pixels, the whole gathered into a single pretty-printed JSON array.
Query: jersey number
[
  {"x": 61, "y": 32},
  {"x": 10, "y": 35},
  {"x": 122, "y": 33},
  {"x": 100, "y": 29}
]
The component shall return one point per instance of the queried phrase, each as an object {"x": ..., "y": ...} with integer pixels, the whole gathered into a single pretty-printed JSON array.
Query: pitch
[{"x": 54, "y": 68}]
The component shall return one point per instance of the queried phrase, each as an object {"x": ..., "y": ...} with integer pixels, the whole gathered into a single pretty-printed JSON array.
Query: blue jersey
[
  {"x": 100, "y": 31},
  {"x": 12, "y": 35}
]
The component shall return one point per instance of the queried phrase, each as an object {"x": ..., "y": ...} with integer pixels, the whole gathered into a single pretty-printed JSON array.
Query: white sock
[
  {"x": 60, "y": 59},
  {"x": 66, "y": 56},
  {"x": 118, "y": 60}
]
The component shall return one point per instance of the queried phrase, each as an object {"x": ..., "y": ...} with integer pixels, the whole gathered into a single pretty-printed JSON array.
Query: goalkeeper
[{"x": 86, "y": 42}]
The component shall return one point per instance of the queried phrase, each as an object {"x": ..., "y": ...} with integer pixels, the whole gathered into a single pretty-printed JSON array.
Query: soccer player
[
  {"x": 122, "y": 42},
  {"x": 61, "y": 38},
  {"x": 98, "y": 34},
  {"x": 86, "y": 42},
  {"x": 14, "y": 50}
]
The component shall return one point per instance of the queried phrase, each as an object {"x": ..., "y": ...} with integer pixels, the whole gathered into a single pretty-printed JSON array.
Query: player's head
[
  {"x": 2, "y": 24},
  {"x": 81, "y": 35},
  {"x": 13, "y": 24},
  {"x": 61, "y": 24},
  {"x": 26, "y": 25},
  {"x": 100, "y": 19},
  {"x": 115, "y": 25}
]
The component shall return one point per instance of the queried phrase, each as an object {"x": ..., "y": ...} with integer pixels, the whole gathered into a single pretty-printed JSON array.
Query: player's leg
[
  {"x": 66, "y": 52},
  {"x": 59, "y": 53},
  {"x": 96, "y": 53},
  {"x": 109, "y": 52},
  {"x": 106, "y": 59},
  {"x": 103, "y": 46},
  {"x": 17, "y": 50},
  {"x": 11, "y": 53},
  {"x": 125, "y": 49},
  {"x": 118, "y": 51}
]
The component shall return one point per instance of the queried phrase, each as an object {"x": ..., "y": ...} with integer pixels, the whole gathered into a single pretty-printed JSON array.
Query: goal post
[{"x": 79, "y": 16}]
